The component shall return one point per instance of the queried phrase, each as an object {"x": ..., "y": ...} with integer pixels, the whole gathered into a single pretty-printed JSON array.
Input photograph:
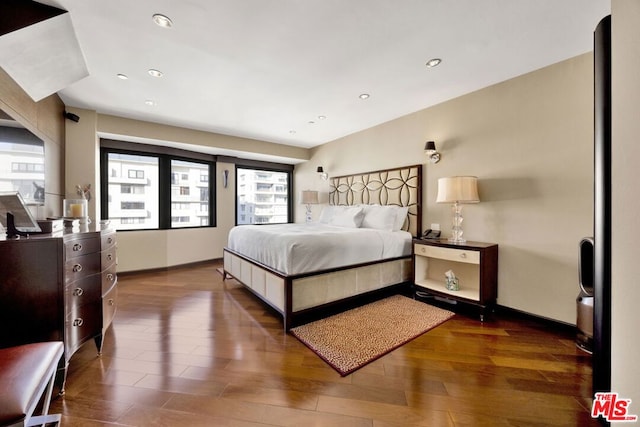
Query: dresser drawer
[
  {"x": 450, "y": 254},
  {"x": 84, "y": 291},
  {"x": 77, "y": 247},
  {"x": 109, "y": 305},
  {"x": 108, "y": 257},
  {"x": 81, "y": 266},
  {"x": 82, "y": 323},
  {"x": 109, "y": 278},
  {"x": 108, "y": 240}
]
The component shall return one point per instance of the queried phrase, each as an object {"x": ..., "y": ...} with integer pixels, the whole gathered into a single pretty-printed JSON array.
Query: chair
[{"x": 26, "y": 372}]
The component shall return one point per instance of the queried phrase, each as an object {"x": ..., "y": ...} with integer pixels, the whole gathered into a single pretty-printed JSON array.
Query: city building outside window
[{"x": 262, "y": 196}]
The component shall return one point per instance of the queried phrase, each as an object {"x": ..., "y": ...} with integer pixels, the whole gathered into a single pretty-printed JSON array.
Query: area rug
[{"x": 350, "y": 340}]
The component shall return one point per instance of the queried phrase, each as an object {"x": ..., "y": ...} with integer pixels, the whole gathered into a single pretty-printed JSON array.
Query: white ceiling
[{"x": 265, "y": 69}]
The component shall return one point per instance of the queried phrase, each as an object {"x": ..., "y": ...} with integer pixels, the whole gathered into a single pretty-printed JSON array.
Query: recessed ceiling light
[
  {"x": 150, "y": 102},
  {"x": 155, "y": 73},
  {"x": 364, "y": 95},
  {"x": 292, "y": 132},
  {"x": 122, "y": 76},
  {"x": 322, "y": 117},
  {"x": 162, "y": 20},
  {"x": 311, "y": 122},
  {"x": 433, "y": 62}
]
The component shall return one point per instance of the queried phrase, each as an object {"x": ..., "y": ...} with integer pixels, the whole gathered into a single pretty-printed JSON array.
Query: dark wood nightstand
[{"x": 474, "y": 263}]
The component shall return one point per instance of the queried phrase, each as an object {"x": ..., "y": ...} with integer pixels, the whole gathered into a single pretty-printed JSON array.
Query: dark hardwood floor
[{"x": 187, "y": 349}]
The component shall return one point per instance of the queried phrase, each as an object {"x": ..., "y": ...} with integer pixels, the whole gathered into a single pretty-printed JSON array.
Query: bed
[{"x": 358, "y": 250}]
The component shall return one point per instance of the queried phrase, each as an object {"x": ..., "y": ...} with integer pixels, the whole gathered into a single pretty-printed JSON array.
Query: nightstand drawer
[{"x": 450, "y": 254}]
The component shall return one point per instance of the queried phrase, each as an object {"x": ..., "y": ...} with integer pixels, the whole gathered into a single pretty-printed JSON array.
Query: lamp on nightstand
[
  {"x": 457, "y": 190},
  {"x": 309, "y": 198}
]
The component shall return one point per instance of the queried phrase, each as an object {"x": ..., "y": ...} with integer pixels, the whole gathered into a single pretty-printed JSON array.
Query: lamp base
[
  {"x": 456, "y": 227},
  {"x": 456, "y": 240},
  {"x": 309, "y": 217}
]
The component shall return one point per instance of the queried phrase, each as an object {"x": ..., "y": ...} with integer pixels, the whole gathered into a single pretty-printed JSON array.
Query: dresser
[
  {"x": 475, "y": 264},
  {"x": 58, "y": 287}
]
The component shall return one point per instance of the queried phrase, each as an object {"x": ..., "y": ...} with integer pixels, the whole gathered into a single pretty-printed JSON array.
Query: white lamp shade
[
  {"x": 461, "y": 189},
  {"x": 309, "y": 197}
]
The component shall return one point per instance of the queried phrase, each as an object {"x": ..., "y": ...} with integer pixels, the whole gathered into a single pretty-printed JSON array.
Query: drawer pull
[
  {"x": 77, "y": 268},
  {"x": 111, "y": 301},
  {"x": 423, "y": 250},
  {"x": 78, "y": 292},
  {"x": 110, "y": 257},
  {"x": 110, "y": 277},
  {"x": 78, "y": 321},
  {"x": 463, "y": 255},
  {"x": 109, "y": 240},
  {"x": 77, "y": 247}
]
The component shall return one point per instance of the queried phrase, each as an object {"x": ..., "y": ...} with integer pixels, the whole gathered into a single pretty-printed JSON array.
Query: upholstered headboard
[{"x": 399, "y": 186}]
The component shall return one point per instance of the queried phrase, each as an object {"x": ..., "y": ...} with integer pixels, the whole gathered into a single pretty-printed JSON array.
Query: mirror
[{"x": 21, "y": 161}]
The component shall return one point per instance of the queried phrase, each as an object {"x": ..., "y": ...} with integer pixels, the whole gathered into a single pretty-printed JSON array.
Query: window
[
  {"x": 188, "y": 212},
  {"x": 152, "y": 187},
  {"x": 130, "y": 209},
  {"x": 263, "y": 196}
]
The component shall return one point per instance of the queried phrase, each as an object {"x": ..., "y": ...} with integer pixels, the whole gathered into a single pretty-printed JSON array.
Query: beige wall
[
  {"x": 625, "y": 369},
  {"x": 44, "y": 119},
  {"x": 530, "y": 142},
  {"x": 142, "y": 250}
]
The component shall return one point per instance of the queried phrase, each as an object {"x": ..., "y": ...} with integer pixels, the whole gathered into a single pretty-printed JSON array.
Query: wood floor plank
[{"x": 187, "y": 348}]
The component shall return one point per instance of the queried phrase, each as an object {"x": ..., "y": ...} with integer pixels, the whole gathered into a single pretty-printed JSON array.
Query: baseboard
[
  {"x": 546, "y": 322},
  {"x": 170, "y": 268}
]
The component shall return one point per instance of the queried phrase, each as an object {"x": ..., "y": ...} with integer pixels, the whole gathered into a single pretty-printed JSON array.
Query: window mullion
[{"x": 164, "y": 195}]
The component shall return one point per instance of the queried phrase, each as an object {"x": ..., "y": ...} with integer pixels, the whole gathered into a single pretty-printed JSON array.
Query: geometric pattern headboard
[{"x": 399, "y": 186}]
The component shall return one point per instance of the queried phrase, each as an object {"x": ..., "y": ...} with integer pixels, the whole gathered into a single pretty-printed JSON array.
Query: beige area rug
[{"x": 349, "y": 340}]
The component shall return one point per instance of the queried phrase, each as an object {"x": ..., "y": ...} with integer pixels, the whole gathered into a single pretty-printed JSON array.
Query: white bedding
[{"x": 308, "y": 247}]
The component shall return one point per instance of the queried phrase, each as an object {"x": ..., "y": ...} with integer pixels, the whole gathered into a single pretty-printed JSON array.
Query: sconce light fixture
[
  {"x": 322, "y": 173},
  {"x": 431, "y": 152}
]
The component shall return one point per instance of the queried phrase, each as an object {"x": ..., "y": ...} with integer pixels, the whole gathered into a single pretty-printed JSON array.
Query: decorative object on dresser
[
  {"x": 309, "y": 198},
  {"x": 457, "y": 190},
  {"x": 473, "y": 264},
  {"x": 15, "y": 217},
  {"x": 58, "y": 287}
]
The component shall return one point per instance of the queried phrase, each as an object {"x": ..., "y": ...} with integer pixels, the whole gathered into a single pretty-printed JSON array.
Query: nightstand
[{"x": 474, "y": 263}]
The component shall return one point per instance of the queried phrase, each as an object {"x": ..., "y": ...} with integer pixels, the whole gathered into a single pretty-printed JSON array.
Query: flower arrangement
[{"x": 84, "y": 192}]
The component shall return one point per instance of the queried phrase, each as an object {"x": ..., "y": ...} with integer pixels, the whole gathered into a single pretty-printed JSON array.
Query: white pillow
[
  {"x": 401, "y": 217},
  {"x": 388, "y": 217},
  {"x": 348, "y": 217},
  {"x": 327, "y": 214},
  {"x": 379, "y": 217}
]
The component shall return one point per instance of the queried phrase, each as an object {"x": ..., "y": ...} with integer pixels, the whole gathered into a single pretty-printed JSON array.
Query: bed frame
[{"x": 301, "y": 298}]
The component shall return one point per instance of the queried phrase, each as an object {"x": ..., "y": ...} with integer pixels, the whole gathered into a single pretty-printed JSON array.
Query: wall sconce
[
  {"x": 322, "y": 173},
  {"x": 225, "y": 178},
  {"x": 430, "y": 151}
]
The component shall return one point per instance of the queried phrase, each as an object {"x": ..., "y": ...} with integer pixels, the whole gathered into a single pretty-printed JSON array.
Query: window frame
[
  {"x": 165, "y": 156},
  {"x": 269, "y": 167}
]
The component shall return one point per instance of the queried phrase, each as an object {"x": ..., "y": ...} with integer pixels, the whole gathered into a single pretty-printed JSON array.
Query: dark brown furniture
[
  {"x": 26, "y": 372},
  {"x": 59, "y": 287},
  {"x": 474, "y": 263}
]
